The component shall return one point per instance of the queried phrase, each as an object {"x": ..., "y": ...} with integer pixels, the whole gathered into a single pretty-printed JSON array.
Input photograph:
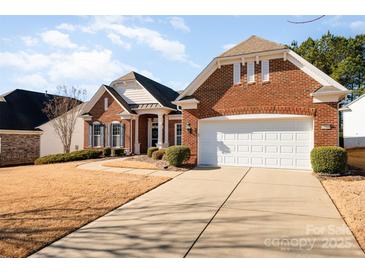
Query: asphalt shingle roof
[
  {"x": 252, "y": 45},
  {"x": 23, "y": 109}
]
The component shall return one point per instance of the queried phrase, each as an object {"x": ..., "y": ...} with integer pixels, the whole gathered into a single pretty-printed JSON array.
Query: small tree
[{"x": 62, "y": 110}]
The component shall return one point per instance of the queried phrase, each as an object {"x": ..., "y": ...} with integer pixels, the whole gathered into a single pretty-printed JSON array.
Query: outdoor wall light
[{"x": 188, "y": 127}]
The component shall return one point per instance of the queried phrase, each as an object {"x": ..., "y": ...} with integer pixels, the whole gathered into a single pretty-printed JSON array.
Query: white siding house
[
  {"x": 354, "y": 124},
  {"x": 50, "y": 142}
]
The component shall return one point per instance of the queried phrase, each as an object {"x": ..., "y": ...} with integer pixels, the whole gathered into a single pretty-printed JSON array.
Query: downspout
[{"x": 130, "y": 135}]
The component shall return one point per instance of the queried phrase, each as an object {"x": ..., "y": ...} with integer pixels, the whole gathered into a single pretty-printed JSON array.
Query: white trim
[
  {"x": 106, "y": 103},
  {"x": 236, "y": 73},
  {"x": 255, "y": 116},
  {"x": 175, "y": 133},
  {"x": 265, "y": 69},
  {"x": 175, "y": 117},
  {"x": 314, "y": 72},
  {"x": 19, "y": 132},
  {"x": 251, "y": 69},
  {"x": 187, "y": 103}
]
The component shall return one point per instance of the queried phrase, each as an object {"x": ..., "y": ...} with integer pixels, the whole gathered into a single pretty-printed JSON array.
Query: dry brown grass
[
  {"x": 356, "y": 157},
  {"x": 39, "y": 204},
  {"x": 349, "y": 197},
  {"x": 130, "y": 164}
]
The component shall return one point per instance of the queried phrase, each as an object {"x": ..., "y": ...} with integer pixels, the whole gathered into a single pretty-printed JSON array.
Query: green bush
[
  {"x": 329, "y": 160},
  {"x": 67, "y": 157},
  {"x": 158, "y": 154},
  {"x": 151, "y": 150},
  {"x": 107, "y": 152},
  {"x": 177, "y": 155},
  {"x": 118, "y": 152}
]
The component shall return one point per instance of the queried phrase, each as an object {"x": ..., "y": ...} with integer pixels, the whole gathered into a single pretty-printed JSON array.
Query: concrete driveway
[{"x": 219, "y": 212}]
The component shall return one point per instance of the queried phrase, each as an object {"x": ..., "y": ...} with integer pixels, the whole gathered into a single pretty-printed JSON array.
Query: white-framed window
[
  {"x": 251, "y": 72},
  {"x": 96, "y": 135},
  {"x": 265, "y": 70},
  {"x": 106, "y": 103},
  {"x": 236, "y": 73},
  {"x": 116, "y": 132},
  {"x": 178, "y": 134}
]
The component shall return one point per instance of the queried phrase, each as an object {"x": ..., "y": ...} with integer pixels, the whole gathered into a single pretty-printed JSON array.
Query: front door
[{"x": 154, "y": 134}]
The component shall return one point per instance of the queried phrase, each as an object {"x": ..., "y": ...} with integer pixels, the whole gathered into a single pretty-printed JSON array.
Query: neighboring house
[
  {"x": 353, "y": 123},
  {"x": 21, "y": 115},
  {"x": 50, "y": 142},
  {"x": 134, "y": 112},
  {"x": 259, "y": 104}
]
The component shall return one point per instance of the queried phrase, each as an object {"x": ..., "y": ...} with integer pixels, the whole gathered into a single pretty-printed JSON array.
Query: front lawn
[
  {"x": 348, "y": 194},
  {"x": 40, "y": 204}
]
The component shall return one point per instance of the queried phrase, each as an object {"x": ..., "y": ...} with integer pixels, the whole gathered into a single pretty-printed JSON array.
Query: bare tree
[{"x": 62, "y": 110}]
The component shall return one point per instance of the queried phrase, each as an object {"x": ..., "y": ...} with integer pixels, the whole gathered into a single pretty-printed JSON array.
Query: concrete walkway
[
  {"x": 223, "y": 212},
  {"x": 98, "y": 165}
]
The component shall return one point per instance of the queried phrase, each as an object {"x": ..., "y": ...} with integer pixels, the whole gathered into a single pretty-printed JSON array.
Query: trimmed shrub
[
  {"x": 329, "y": 160},
  {"x": 158, "y": 154},
  {"x": 150, "y": 150},
  {"x": 107, "y": 152},
  {"x": 177, "y": 155},
  {"x": 118, "y": 151},
  {"x": 68, "y": 157}
]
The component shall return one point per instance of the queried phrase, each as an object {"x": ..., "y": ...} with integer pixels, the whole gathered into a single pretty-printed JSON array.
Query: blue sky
[{"x": 41, "y": 52}]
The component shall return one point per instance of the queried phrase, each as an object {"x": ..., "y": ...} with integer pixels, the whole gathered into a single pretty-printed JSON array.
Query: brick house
[
  {"x": 259, "y": 104},
  {"x": 20, "y": 114},
  {"x": 135, "y": 113}
]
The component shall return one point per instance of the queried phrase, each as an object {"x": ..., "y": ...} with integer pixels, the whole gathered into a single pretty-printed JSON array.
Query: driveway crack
[{"x": 215, "y": 214}]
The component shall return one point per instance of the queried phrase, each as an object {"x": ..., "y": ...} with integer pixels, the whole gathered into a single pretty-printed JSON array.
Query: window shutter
[
  {"x": 101, "y": 135},
  {"x": 90, "y": 135},
  {"x": 107, "y": 135},
  {"x": 265, "y": 70},
  {"x": 236, "y": 73},
  {"x": 251, "y": 72},
  {"x": 122, "y": 130}
]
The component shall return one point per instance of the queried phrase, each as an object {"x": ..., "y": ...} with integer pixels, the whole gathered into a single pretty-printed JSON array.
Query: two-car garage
[{"x": 263, "y": 140}]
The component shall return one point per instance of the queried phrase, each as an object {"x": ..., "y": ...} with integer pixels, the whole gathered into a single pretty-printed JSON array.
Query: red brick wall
[
  {"x": 172, "y": 131},
  {"x": 19, "y": 149},
  {"x": 106, "y": 117},
  {"x": 287, "y": 92}
]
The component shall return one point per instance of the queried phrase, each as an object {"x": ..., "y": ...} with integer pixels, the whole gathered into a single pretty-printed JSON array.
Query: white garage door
[{"x": 275, "y": 143}]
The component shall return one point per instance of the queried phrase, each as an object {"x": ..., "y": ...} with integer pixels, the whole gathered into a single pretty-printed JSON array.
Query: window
[
  {"x": 178, "y": 134},
  {"x": 116, "y": 131},
  {"x": 97, "y": 135},
  {"x": 265, "y": 70},
  {"x": 236, "y": 73},
  {"x": 251, "y": 72},
  {"x": 106, "y": 103}
]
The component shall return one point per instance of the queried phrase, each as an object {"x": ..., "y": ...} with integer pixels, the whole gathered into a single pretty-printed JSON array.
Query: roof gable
[
  {"x": 117, "y": 97},
  {"x": 267, "y": 50},
  {"x": 252, "y": 45},
  {"x": 163, "y": 94}
]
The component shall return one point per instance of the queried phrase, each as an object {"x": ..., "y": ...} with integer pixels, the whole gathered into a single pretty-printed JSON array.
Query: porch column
[
  {"x": 136, "y": 138},
  {"x": 160, "y": 128},
  {"x": 166, "y": 128}
]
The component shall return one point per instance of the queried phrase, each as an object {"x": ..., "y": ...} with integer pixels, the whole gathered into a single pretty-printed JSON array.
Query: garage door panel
[{"x": 265, "y": 143}]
